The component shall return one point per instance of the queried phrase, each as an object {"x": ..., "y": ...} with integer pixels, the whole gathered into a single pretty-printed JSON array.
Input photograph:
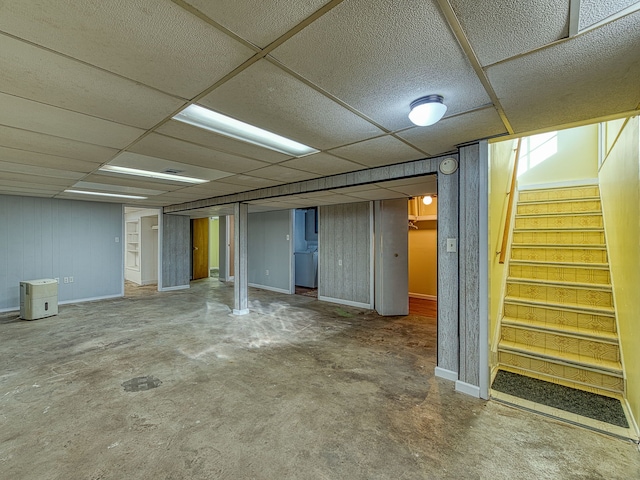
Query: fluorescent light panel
[
  {"x": 216, "y": 122},
  {"x": 100, "y": 194},
  {"x": 150, "y": 174}
]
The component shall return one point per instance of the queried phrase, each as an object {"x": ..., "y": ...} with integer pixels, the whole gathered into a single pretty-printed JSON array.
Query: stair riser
[
  {"x": 556, "y": 255},
  {"x": 559, "y": 207},
  {"x": 560, "y": 274},
  {"x": 561, "y": 344},
  {"x": 560, "y": 238},
  {"x": 556, "y": 317},
  {"x": 558, "y": 194},
  {"x": 560, "y": 295},
  {"x": 566, "y": 373},
  {"x": 560, "y": 221}
]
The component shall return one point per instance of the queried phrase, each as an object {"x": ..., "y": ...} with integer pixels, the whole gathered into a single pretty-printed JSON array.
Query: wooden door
[{"x": 200, "y": 247}]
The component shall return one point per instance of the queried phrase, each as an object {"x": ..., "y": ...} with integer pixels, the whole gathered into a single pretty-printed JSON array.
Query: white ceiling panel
[
  {"x": 385, "y": 150},
  {"x": 169, "y": 148},
  {"x": 41, "y": 160},
  {"x": 105, "y": 187},
  {"x": 249, "y": 182},
  {"x": 500, "y": 29},
  {"x": 258, "y": 22},
  {"x": 7, "y": 167},
  {"x": 268, "y": 97},
  {"x": 46, "y": 77},
  {"x": 41, "y": 118},
  {"x": 146, "y": 183},
  {"x": 28, "y": 178},
  {"x": 155, "y": 164},
  {"x": 380, "y": 57},
  {"x": 220, "y": 143},
  {"x": 323, "y": 164},
  {"x": 56, "y": 146},
  {"x": 29, "y": 192},
  {"x": 593, "y": 11},
  {"x": 589, "y": 76},
  {"x": 446, "y": 134},
  {"x": 154, "y": 42},
  {"x": 283, "y": 174}
]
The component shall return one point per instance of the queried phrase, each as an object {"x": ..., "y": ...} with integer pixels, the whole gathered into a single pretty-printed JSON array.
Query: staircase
[{"x": 559, "y": 321}]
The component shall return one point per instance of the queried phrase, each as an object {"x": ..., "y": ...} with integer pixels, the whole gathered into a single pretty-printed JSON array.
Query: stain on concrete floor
[{"x": 294, "y": 390}]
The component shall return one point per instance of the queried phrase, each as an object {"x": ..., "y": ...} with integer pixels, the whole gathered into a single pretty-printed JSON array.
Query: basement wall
[
  {"x": 50, "y": 238},
  {"x": 344, "y": 254},
  {"x": 620, "y": 192},
  {"x": 269, "y": 235},
  {"x": 176, "y": 252}
]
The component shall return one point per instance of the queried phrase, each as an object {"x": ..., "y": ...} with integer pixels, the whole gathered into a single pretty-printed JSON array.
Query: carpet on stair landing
[{"x": 587, "y": 404}]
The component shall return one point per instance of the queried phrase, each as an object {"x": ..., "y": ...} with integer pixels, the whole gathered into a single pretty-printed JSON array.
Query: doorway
[
  {"x": 423, "y": 255},
  {"x": 305, "y": 235},
  {"x": 199, "y": 248},
  {"x": 141, "y": 259}
]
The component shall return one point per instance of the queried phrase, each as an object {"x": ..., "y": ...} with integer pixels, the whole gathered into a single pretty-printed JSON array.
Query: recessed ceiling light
[
  {"x": 427, "y": 110},
  {"x": 150, "y": 174},
  {"x": 216, "y": 122},
  {"x": 100, "y": 194}
]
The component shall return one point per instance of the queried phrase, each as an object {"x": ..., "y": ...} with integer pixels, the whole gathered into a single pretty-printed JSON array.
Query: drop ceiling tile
[
  {"x": 78, "y": 87},
  {"x": 154, "y": 42},
  {"x": 54, "y": 146},
  {"x": 449, "y": 132},
  {"x": 267, "y": 97},
  {"x": 258, "y": 22},
  {"x": 500, "y": 29},
  {"x": 594, "y": 11},
  {"x": 106, "y": 187},
  {"x": 323, "y": 164},
  {"x": 39, "y": 160},
  {"x": 139, "y": 182},
  {"x": 26, "y": 178},
  {"x": 589, "y": 76},
  {"x": 95, "y": 198},
  {"x": 199, "y": 136},
  {"x": 385, "y": 150},
  {"x": 283, "y": 174},
  {"x": 415, "y": 190},
  {"x": 155, "y": 164},
  {"x": 249, "y": 182},
  {"x": 379, "y": 58},
  {"x": 7, "y": 167},
  {"x": 30, "y": 192},
  {"x": 169, "y": 148},
  {"x": 28, "y": 115}
]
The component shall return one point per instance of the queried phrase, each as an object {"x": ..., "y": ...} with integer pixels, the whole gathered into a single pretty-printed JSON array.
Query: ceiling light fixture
[
  {"x": 100, "y": 194},
  {"x": 428, "y": 200},
  {"x": 216, "y": 122},
  {"x": 427, "y": 110},
  {"x": 150, "y": 174}
]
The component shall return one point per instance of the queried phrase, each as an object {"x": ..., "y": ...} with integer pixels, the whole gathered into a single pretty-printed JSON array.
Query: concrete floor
[{"x": 298, "y": 389}]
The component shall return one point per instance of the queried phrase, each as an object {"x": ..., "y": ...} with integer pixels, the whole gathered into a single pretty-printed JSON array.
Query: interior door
[{"x": 200, "y": 247}]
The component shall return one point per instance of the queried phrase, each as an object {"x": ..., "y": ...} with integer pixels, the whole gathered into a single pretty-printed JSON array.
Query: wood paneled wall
[{"x": 176, "y": 251}]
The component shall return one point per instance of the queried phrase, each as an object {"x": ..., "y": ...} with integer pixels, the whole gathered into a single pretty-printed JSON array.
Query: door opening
[
  {"x": 305, "y": 236},
  {"x": 423, "y": 256}
]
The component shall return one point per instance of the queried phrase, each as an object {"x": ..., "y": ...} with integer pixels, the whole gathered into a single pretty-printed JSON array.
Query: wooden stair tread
[
  {"x": 608, "y": 367},
  {"x": 602, "y": 287},
  {"x": 556, "y": 214},
  {"x": 573, "y": 307},
  {"x": 554, "y": 328},
  {"x": 570, "y": 246},
  {"x": 546, "y": 263},
  {"x": 559, "y": 200},
  {"x": 559, "y": 230}
]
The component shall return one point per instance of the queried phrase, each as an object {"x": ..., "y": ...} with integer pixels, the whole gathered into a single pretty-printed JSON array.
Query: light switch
[
  {"x": 452, "y": 245},
  {"x": 287, "y": 237},
  {"x": 117, "y": 239}
]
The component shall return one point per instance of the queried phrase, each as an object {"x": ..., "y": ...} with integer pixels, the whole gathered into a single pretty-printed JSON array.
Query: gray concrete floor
[{"x": 297, "y": 389}]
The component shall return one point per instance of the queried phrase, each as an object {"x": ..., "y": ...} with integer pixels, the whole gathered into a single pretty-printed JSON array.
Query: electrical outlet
[
  {"x": 287, "y": 237},
  {"x": 57, "y": 279},
  {"x": 70, "y": 279},
  {"x": 267, "y": 272},
  {"x": 452, "y": 245},
  {"x": 340, "y": 263},
  {"x": 66, "y": 279},
  {"x": 117, "y": 239}
]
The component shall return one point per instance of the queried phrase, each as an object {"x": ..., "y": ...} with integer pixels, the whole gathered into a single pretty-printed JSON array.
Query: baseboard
[
  {"x": 446, "y": 374},
  {"x": 345, "y": 302},
  {"x": 467, "y": 389},
  {"x": 177, "y": 287},
  {"x": 243, "y": 311},
  {"x": 67, "y": 302},
  {"x": 634, "y": 424},
  {"x": 272, "y": 289},
  {"x": 566, "y": 183},
  {"x": 423, "y": 296},
  {"x": 10, "y": 309}
]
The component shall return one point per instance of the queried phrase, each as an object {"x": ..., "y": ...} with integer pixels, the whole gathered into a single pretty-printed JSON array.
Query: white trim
[
  {"x": 634, "y": 424},
  {"x": 344, "y": 302},
  {"x": 446, "y": 374},
  {"x": 483, "y": 274},
  {"x": 423, "y": 296},
  {"x": 10, "y": 309},
  {"x": 244, "y": 311},
  {"x": 566, "y": 183},
  {"x": 292, "y": 258},
  {"x": 372, "y": 259},
  {"x": 90, "y": 299},
  {"x": 467, "y": 389},
  {"x": 267, "y": 287},
  {"x": 177, "y": 287},
  {"x": 160, "y": 242}
]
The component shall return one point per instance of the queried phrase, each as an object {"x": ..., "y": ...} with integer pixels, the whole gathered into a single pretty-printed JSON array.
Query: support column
[{"x": 240, "y": 285}]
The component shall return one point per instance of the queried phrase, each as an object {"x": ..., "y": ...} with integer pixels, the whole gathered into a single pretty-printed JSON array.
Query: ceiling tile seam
[
  {"x": 463, "y": 41},
  {"x": 329, "y": 152},
  {"x": 90, "y": 65},
  {"x": 41, "y": 167},
  {"x": 448, "y": 117},
  {"x": 51, "y": 155}
]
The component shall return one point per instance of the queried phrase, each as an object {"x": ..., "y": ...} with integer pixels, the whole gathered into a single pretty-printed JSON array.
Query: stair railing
[{"x": 510, "y": 194}]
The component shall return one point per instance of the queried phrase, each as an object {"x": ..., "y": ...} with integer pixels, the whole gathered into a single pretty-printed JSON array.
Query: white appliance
[
  {"x": 38, "y": 299},
  {"x": 307, "y": 269}
]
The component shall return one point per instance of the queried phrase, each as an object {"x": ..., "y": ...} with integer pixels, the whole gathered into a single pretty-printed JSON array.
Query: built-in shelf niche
[{"x": 133, "y": 245}]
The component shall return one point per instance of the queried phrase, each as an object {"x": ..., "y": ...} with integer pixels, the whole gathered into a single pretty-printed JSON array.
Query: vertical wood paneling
[
  {"x": 469, "y": 264},
  {"x": 344, "y": 234},
  {"x": 269, "y": 249},
  {"x": 240, "y": 284},
  {"x": 448, "y": 210},
  {"x": 176, "y": 245},
  {"x": 47, "y": 238}
]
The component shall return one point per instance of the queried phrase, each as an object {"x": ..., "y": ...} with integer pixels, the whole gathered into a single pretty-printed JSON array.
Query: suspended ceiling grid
[{"x": 88, "y": 83}]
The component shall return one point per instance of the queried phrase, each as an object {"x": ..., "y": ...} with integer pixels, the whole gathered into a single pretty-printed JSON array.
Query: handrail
[{"x": 510, "y": 193}]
